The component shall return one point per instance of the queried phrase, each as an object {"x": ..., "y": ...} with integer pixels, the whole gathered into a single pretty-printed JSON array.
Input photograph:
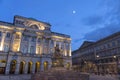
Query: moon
[{"x": 73, "y": 11}]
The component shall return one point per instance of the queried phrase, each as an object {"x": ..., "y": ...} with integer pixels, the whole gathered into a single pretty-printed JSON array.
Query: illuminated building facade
[
  {"x": 100, "y": 57},
  {"x": 27, "y": 46}
]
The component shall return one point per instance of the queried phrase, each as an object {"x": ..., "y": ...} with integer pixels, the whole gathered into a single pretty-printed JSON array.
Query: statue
[{"x": 57, "y": 59}]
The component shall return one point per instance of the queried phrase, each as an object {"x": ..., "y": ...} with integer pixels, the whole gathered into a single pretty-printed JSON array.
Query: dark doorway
[
  {"x": 21, "y": 69},
  {"x": 12, "y": 66},
  {"x": 29, "y": 67},
  {"x": 45, "y": 66},
  {"x": 37, "y": 67}
]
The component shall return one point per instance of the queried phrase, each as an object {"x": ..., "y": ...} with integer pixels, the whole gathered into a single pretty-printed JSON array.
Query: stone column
[
  {"x": 11, "y": 42},
  {"x": 54, "y": 43},
  {"x": 49, "y": 48},
  {"x": 65, "y": 53},
  {"x": 17, "y": 68},
  {"x": 26, "y": 68},
  {"x": 2, "y": 41},
  {"x": 42, "y": 66},
  {"x": 59, "y": 45},
  {"x": 7, "y": 68},
  {"x": 33, "y": 68},
  {"x": 69, "y": 49},
  {"x": 37, "y": 52},
  {"x": 20, "y": 39},
  {"x": 43, "y": 45},
  {"x": 62, "y": 47},
  {"x": 49, "y": 65}
]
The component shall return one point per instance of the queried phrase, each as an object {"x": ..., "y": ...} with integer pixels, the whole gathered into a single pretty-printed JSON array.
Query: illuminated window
[{"x": 17, "y": 36}]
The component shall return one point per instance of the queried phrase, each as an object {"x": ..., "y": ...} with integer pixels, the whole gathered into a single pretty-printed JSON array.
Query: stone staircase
[{"x": 60, "y": 75}]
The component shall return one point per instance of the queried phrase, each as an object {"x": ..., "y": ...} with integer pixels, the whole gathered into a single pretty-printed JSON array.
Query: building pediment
[{"x": 30, "y": 23}]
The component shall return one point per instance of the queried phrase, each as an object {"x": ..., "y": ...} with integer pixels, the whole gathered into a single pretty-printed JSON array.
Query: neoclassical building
[
  {"x": 27, "y": 46},
  {"x": 100, "y": 57}
]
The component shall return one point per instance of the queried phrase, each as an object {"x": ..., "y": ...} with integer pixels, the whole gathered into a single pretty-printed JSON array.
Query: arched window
[{"x": 34, "y": 26}]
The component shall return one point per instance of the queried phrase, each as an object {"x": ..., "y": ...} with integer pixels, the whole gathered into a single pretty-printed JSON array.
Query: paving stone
[{"x": 60, "y": 75}]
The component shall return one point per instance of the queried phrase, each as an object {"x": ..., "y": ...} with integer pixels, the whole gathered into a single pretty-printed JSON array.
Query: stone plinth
[{"x": 57, "y": 69}]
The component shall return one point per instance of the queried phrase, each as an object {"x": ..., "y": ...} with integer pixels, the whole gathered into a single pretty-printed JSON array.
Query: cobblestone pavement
[{"x": 106, "y": 77}]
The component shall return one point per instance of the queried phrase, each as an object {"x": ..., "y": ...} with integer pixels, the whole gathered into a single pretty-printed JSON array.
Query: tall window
[
  {"x": 33, "y": 39},
  {"x": 0, "y": 33},
  {"x": 113, "y": 44},
  {"x": 38, "y": 50},
  {"x": 24, "y": 49},
  {"x": 6, "y": 47},
  {"x": 8, "y": 35},
  {"x": 108, "y": 45},
  {"x": 118, "y": 41},
  {"x": 32, "y": 49}
]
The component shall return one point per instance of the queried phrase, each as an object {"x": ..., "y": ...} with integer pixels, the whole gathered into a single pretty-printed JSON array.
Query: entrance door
[
  {"x": 21, "y": 70},
  {"x": 45, "y": 66},
  {"x": 2, "y": 66},
  {"x": 37, "y": 67},
  {"x": 29, "y": 67},
  {"x": 12, "y": 66},
  {"x": 2, "y": 70}
]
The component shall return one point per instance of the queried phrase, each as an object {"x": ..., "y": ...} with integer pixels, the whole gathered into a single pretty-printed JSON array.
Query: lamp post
[
  {"x": 97, "y": 56},
  {"x": 116, "y": 61}
]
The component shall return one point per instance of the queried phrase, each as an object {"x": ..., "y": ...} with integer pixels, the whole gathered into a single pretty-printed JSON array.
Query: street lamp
[
  {"x": 97, "y": 63},
  {"x": 97, "y": 56},
  {"x": 114, "y": 57}
]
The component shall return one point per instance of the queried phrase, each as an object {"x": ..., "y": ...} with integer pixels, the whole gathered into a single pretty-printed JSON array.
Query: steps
[{"x": 60, "y": 75}]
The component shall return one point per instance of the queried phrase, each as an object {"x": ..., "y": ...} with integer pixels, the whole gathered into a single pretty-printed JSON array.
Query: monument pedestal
[{"x": 58, "y": 69}]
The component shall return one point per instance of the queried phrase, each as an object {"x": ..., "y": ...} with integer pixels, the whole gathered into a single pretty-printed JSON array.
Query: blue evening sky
[{"x": 81, "y": 19}]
